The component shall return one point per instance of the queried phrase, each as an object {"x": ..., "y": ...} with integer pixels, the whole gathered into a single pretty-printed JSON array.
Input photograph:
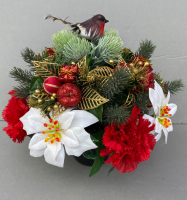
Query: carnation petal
[
  {"x": 59, "y": 161},
  {"x": 85, "y": 142}
]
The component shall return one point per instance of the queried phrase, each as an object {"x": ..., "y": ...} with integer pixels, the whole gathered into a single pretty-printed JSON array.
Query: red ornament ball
[
  {"x": 69, "y": 95},
  {"x": 51, "y": 85}
]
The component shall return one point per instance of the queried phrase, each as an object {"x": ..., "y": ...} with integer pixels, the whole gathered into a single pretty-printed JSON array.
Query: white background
[{"x": 164, "y": 175}]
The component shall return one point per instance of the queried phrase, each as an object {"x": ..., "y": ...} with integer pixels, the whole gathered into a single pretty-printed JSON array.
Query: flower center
[
  {"x": 164, "y": 112},
  {"x": 54, "y": 131},
  {"x": 165, "y": 122}
]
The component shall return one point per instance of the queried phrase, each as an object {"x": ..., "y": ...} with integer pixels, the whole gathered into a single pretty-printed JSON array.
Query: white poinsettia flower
[
  {"x": 163, "y": 110},
  {"x": 66, "y": 130}
]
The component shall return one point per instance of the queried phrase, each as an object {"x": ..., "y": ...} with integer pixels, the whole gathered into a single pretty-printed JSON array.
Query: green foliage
[
  {"x": 72, "y": 47},
  {"x": 22, "y": 91},
  {"x": 173, "y": 86},
  {"x": 24, "y": 79},
  {"x": 115, "y": 114},
  {"x": 116, "y": 83},
  {"x": 89, "y": 155},
  {"x": 28, "y": 55},
  {"x": 146, "y": 49},
  {"x": 142, "y": 101},
  {"x": 76, "y": 49},
  {"x": 98, "y": 160},
  {"x": 108, "y": 47},
  {"x": 111, "y": 169},
  {"x": 97, "y": 112},
  {"x": 36, "y": 83},
  {"x": 20, "y": 75}
]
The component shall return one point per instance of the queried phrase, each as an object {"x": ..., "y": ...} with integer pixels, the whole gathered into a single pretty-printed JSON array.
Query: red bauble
[
  {"x": 69, "y": 95},
  {"x": 51, "y": 85}
]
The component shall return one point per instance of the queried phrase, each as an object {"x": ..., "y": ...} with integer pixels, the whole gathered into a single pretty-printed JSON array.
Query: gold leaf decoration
[
  {"x": 100, "y": 74},
  {"x": 130, "y": 99},
  {"x": 58, "y": 111},
  {"x": 46, "y": 69},
  {"x": 82, "y": 63},
  {"x": 91, "y": 99}
]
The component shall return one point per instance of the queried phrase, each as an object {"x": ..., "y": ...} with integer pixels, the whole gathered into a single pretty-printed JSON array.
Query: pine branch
[
  {"x": 28, "y": 55},
  {"x": 146, "y": 49},
  {"x": 20, "y": 75},
  {"x": 22, "y": 91},
  {"x": 174, "y": 86},
  {"x": 76, "y": 49},
  {"x": 115, "y": 114},
  {"x": 142, "y": 101},
  {"x": 116, "y": 83},
  {"x": 109, "y": 47}
]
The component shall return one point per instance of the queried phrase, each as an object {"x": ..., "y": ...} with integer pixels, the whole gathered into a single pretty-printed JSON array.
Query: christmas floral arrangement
[{"x": 90, "y": 97}]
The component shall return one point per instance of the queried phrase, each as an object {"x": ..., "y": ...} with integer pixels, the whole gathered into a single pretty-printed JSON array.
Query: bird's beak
[{"x": 106, "y": 21}]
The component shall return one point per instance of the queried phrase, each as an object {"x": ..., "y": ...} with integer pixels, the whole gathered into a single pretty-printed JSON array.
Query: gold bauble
[
  {"x": 52, "y": 98},
  {"x": 54, "y": 95},
  {"x": 49, "y": 108},
  {"x": 73, "y": 63},
  {"x": 131, "y": 64},
  {"x": 55, "y": 106},
  {"x": 111, "y": 62},
  {"x": 40, "y": 100},
  {"x": 141, "y": 77},
  {"x": 37, "y": 91},
  {"x": 140, "y": 63},
  {"x": 146, "y": 64},
  {"x": 134, "y": 70}
]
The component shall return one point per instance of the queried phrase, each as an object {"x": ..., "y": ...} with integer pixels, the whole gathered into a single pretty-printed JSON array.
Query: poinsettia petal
[
  {"x": 158, "y": 136},
  {"x": 151, "y": 119},
  {"x": 166, "y": 100},
  {"x": 37, "y": 153},
  {"x": 85, "y": 142},
  {"x": 69, "y": 139},
  {"x": 155, "y": 100},
  {"x": 165, "y": 135},
  {"x": 158, "y": 126},
  {"x": 83, "y": 119},
  {"x": 26, "y": 124},
  {"x": 65, "y": 119},
  {"x": 54, "y": 148},
  {"x": 159, "y": 90},
  {"x": 37, "y": 142},
  {"x": 59, "y": 161},
  {"x": 37, "y": 123},
  {"x": 173, "y": 108}
]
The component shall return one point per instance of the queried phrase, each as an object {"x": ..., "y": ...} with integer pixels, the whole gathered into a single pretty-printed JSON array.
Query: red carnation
[
  {"x": 15, "y": 109},
  {"x": 51, "y": 51},
  {"x": 130, "y": 143}
]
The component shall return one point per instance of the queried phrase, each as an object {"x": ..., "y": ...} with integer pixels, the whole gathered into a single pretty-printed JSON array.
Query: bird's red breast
[{"x": 102, "y": 26}]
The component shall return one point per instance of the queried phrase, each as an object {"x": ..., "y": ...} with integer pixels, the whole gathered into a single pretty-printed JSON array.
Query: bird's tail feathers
[{"x": 58, "y": 19}]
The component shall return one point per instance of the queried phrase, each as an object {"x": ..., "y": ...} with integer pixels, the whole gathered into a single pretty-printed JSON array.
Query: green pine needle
[
  {"x": 174, "y": 86},
  {"x": 146, "y": 49}
]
